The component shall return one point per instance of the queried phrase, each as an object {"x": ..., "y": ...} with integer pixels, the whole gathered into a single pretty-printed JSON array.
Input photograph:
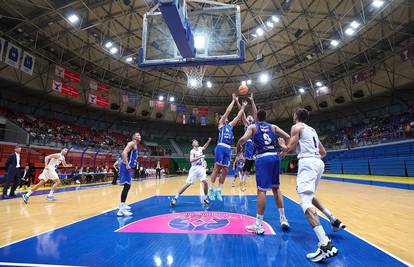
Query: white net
[{"x": 194, "y": 76}]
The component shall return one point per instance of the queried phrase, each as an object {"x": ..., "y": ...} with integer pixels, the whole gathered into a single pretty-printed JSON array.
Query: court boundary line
[
  {"x": 54, "y": 229},
  {"x": 363, "y": 239},
  {"x": 35, "y": 264}
]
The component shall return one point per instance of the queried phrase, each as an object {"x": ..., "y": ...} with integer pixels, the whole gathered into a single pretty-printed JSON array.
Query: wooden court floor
[{"x": 381, "y": 215}]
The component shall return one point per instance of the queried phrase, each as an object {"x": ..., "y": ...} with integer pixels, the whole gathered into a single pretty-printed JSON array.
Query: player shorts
[
  {"x": 222, "y": 155},
  {"x": 309, "y": 173},
  {"x": 48, "y": 174},
  {"x": 248, "y": 164},
  {"x": 236, "y": 172},
  {"x": 267, "y": 171},
  {"x": 196, "y": 172},
  {"x": 248, "y": 150},
  {"x": 125, "y": 176}
]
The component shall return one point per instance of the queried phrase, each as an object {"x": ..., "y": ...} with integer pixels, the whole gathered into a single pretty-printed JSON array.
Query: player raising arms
[
  {"x": 222, "y": 152},
  {"x": 126, "y": 170},
  {"x": 197, "y": 170},
  {"x": 264, "y": 137},
  {"x": 49, "y": 173},
  {"x": 310, "y": 150}
]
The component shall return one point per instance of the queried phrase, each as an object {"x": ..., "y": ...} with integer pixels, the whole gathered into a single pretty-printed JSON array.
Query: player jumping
[
  {"x": 197, "y": 170},
  {"x": 49, "y": 173},
  {"x": 126, "y": 171},
  {"x": 222, "y": 152},
  {"x": 310, "y": 150},
  {"x": 264, "y": 137}
]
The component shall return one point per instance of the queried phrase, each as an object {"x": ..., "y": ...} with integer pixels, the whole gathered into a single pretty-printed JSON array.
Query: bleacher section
[{"x": 395, "y": 159}]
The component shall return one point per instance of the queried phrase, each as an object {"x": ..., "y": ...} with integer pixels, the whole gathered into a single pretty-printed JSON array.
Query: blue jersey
[
  {"x": 264, "y": 139},
  {"x": 226, "y": 134},
  {"x": 248, "y": 147},
  {"x": 240, "y": 164},
  {"x": 132, "y": 157}
]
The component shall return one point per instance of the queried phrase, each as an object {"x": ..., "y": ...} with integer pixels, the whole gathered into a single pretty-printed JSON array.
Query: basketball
[{"x": 243, "y": 89}]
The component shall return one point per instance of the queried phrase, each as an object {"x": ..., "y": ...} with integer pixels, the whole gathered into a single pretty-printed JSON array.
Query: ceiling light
[
  {"x": 269, "y": 24},
  {"x": 73, "y": 18},
  {"x": 108, "y": 44},
  {"x": 377, "y": 3},
  {"x": 19, "y": 29},
  {"x": 209, "y": 85},
  {"x": 113, "y": 50},
  {"x": 259, "y": 31},
  {"x": 319, "y": 84},
  {"x": 301, "y": 90},
  {"x": 199, "y": 42},
  {"x": 334, "y": 43},
  {"x": 243, "y": 83},
  {"x": 172, "y": 99},
  {"x": 193, "y": 82},
  {"x": 161, "y": 98},
  {"x": 264, "y": 77},
  {"x": 249, "y": 82},
  {"x": 355, "y": 24},
  {"x": 275, "y": 18},
  {"x": 349, "y": 31},
  {"x": 254, "y": 35},
  {"x": 129, "y": 59}
]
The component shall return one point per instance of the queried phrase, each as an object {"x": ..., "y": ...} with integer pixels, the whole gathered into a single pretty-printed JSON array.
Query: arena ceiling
[{"x": 298, "y": 50}]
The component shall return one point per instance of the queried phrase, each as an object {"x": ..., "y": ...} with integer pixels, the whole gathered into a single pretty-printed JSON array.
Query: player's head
[
  {"x": 194, "y": 143},
  {"x": 300, "y": 115},
  {"x": 18, "y": 149},
  {"x": 136, "y": 137},
  {"x": 250, "y": 119},
  {"x": 64, "y": 151},
  {"x": 261, "y": 115}
]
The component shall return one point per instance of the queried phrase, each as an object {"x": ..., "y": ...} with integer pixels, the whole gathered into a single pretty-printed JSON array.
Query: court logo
[{"x": 195, "y": 222}]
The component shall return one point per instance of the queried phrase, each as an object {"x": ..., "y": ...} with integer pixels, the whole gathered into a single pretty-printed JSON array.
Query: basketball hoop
[{"x": 195, "y": 76}]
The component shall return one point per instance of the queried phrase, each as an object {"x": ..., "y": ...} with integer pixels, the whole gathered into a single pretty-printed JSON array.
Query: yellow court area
[
  {"x": 380, "y": 215},
  {"x": 376, "y": 178}
]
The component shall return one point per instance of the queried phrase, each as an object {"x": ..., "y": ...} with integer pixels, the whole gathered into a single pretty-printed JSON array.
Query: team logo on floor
[{"x": 195, "y": 222}]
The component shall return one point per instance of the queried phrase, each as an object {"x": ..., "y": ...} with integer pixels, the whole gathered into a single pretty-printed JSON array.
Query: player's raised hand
[
  {"x": 209, "y": 139},
  {"x": 235, "y": 98},
  {"x": 251, "y": 98},
  {"x": 244, "y": 103}
]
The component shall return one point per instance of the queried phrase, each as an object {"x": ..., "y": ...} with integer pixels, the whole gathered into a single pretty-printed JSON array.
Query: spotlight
[
  {"x": 129, "y": 59},
  {"x": 113, "y": 50},
  {"x": 275, "y": 18},
  {"x": 161, "y": 98},
  {"x": 193, "y": 82},
  {"x": 377, "y": 3},
  {"x": 73, "y": 18},
  {"x": 301, "y": 90},
  {"x": 269, "y": 24},
  {"x": 355, "y": 24},
  {"x": 259, "y": 31},
  {"x": 243, "y": 83},
  {"x": 249, "y": 82},
  {"x": 264, "y": 77},
  {"x": 209, "y": 85},
  {"x": 334, "y": 43},
  {"x": 349, "y": 31},
  {"x": 172, "y": 99},
  {"x": 108, "y": 44}
]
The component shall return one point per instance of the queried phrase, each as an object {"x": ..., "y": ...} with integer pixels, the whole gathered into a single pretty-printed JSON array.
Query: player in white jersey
[
  {"x": 309, "y": 152},
  {"x": 49, "y": 173},
  {"x": 197, "y": 170}
]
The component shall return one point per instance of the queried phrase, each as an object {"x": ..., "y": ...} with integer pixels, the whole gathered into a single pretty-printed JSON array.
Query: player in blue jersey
[
  {"x": 222, "y": 151},
  {"x": 264, "y": 136},
  {"x": 248, "y": 149},
  {"x": 238, "y": 167},
  {"x": 126, "y": 171}
]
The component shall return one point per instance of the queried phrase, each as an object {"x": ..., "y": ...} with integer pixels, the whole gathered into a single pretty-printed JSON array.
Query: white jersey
[
  {"x": 197, "y": 152},
  {"x": 308, "y": 145},
  {"x": 54, "y": 163}
]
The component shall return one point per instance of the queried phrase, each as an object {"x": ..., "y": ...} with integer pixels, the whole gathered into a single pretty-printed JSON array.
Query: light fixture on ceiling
[
  {"x": 259, "y": 31},
  {"x": 108, "y": 44},
  {"x": 193, "y": 82},
  {"x": 319, "y": 84},
  {"x": 161, "y": 98},
  {"x": 349, "y": 31},
  {"x": 113, "y": 50},
  {"x": 243, "y": 83},
  {"x": 355, "y": 24},
  {"x": 301, "y": 90},
  {"x": 172, "y": 99},
  {"x": 275, "y": 18},
  {"x": 264, "y": 77},
  {"x": 73, "y": 18},
  {"x": 249, "y": 82},
  {"x": 269, "y": 24},
  {"x": 209, "y": 85},
  {"x": 199, "y": 41},
  {"x": 129, "y": 59},
  {"x": 334, "y": 43},
  {"x": 377, "y": 3}
]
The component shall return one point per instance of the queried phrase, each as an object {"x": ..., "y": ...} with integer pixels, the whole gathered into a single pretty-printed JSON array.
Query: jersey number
[
  {"x": 314, "y": 142},
  {"x": 267, "y": 139}
]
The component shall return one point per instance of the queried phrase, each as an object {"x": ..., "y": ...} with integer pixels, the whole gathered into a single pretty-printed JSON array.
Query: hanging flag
[
  {"x": 363, "y": 75},
  {"x": 202, "y": 111},
  {"x": 13, "y": 55},
  {"x": 203, "y": 121},
  {"x": 152, "y": 103},
  {"x": 98, "y": 100},
  {"x": 192, "y": 119},
  {"x": 67, "y": 74},
  {"x": 27, "y": 63},
  {"x": 195, "y": 111},
  {"x": 2, "y": 44},
  {"x": 129, "y": 98},
  {"x": 159, "y": 105},
  {"x": 65, "y": 89},
  {"x": 173, "y": 107},
  {"x": 97, "y": 86},
  {"x": 181, "y": 108}
]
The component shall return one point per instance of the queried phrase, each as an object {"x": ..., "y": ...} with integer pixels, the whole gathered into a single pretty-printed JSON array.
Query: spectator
[{"x": 13, "y": 172}]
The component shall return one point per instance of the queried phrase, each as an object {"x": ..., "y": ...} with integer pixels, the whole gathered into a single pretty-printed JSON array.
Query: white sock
[
  {"x": 259, "y": 219},
  {"x": 211, "y": 186},
  {"x": 29, "y": 193},
  {"x": 122, "y": 205},
  {"x": 51, "y": 193},
  {"x": 329, "y": 215},
  {"x": 177, "y": 196},
  {"x": 220, "y": 186},
  {"x": 203, "y": 198},
  {"x": 282, "y": 213},
  {"x": 320, "y": 233}
]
